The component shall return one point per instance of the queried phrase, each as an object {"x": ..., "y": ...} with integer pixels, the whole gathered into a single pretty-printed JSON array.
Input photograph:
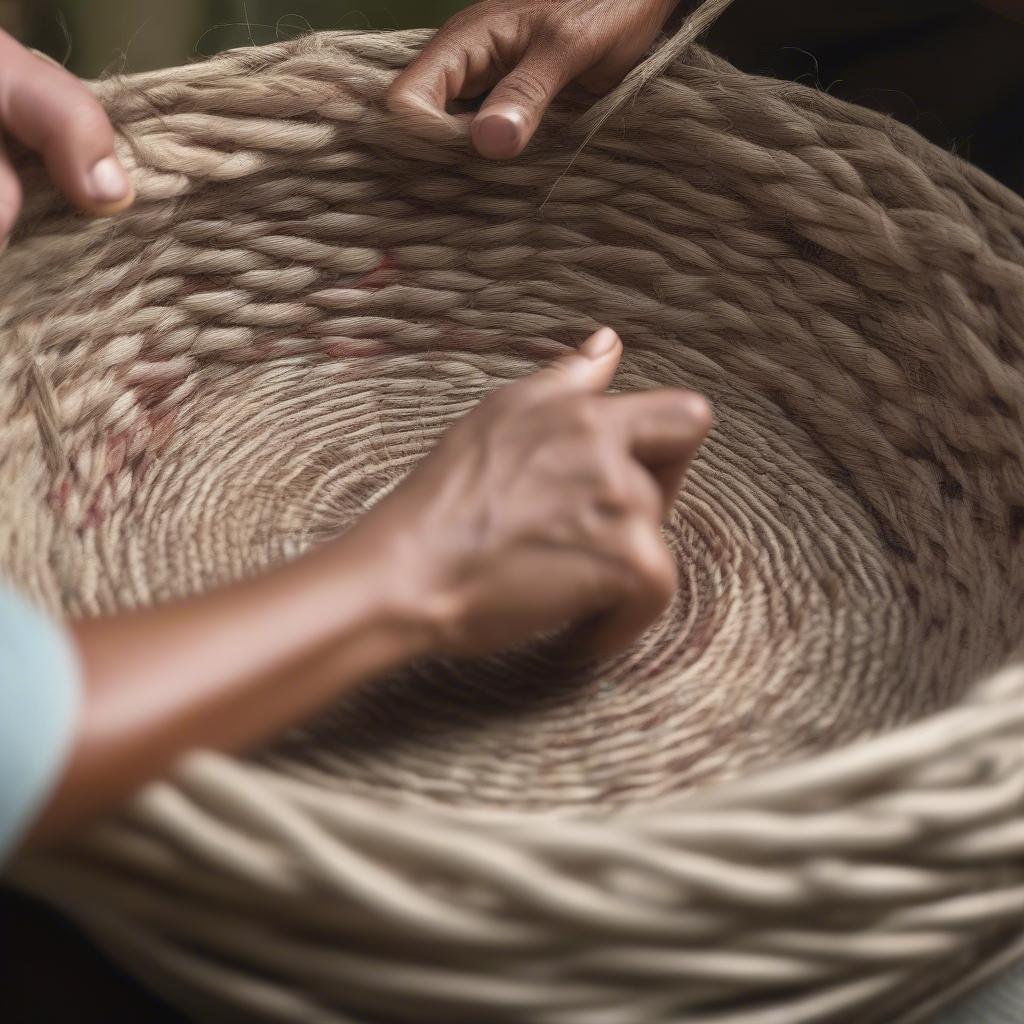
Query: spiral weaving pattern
[{"x": 791, "y": 801}]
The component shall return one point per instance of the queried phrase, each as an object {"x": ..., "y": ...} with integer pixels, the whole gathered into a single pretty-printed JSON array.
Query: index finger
[
  {"x": 664, "y": 430},
  {"x": 590, "y": 368},
  {"x": 420, "y": 93}
]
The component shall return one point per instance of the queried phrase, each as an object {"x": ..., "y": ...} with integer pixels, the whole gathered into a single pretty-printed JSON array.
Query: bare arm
[
  {"x": 547, "y": 479},
  {"x": 226, "y": 669}
]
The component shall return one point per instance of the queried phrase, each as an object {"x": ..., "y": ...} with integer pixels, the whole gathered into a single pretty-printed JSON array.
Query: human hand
[
  {"x": 543, "y": 507},
  {"x": 525, "y": 52},
  {"x": 53, "y": 113},
  {"x": 540, "y": 508}
]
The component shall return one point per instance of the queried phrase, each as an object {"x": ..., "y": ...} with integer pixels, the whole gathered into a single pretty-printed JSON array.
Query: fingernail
[
  {"x": 500, "y": 132},
  {"x": 600, "y": 344},
  {"x": 108, "y": 182}
]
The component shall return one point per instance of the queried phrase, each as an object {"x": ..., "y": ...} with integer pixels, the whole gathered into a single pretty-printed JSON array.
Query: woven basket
[{"x": 794, "y": 800}]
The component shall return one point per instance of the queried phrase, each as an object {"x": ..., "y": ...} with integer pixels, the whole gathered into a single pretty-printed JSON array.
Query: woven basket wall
[{"x": 800, "y": 798}]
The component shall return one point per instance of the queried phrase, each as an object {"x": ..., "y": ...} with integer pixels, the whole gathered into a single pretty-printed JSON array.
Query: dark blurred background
[
  {"x": 94, "y": 36},
  {"x": 950, "y": 68}
]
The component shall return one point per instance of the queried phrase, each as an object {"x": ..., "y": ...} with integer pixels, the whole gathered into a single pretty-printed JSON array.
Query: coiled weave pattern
[{"x": 303, "y": 299}]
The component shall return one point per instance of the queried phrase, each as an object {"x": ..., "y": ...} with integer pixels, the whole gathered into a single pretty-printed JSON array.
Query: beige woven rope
[{"x": 303, "y": 299}]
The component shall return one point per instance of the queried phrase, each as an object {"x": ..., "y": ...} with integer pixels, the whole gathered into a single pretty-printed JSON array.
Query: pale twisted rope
[{"x": 303, "y": 299}]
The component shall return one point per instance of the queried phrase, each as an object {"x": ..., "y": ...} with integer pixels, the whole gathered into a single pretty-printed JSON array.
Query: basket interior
[{"x": 242, "y": 365}]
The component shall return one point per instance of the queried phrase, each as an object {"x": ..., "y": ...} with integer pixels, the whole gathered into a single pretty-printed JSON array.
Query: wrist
[{"x": 394, "y": 599}]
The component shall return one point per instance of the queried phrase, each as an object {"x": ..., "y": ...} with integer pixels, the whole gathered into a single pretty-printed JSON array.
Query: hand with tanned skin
[
  {"x": 52, "y": 112},
  {"x": 522, "y": 53},
  {"x": 547, "y": 478}
]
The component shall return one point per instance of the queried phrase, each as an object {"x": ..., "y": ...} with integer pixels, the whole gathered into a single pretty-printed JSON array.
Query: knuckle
[
  {"x": 482, "y": 12},
  {"x": 584, "y": 418},
  {"x": 646, "y": 497},
  {"x": 564, "y": 35},
  {"x": 614, "y": 492},
  {"x": 651, "y": 563},
  {"x": 460, "y": 21},
  {"x": 690, "y": 408},
  {"x": 504, "y": 401},
  {"x": 625, "y": 490},
  {"x": 527, "y": 86}
]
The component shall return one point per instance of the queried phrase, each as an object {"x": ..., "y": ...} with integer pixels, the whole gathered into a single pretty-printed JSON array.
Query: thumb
[
  {"x": 52, "y": 112},
  {"x": 590, "y": 368},
  {"x": 509, "y": 117}
]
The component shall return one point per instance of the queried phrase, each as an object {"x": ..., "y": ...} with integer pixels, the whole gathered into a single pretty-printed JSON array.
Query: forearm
[
  {"x": 225, "y": 670},
  {"x": 485, "y": 544}
]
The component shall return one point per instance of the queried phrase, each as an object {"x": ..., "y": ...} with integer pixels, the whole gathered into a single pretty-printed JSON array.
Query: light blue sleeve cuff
[{"x": 40, "y": 690}]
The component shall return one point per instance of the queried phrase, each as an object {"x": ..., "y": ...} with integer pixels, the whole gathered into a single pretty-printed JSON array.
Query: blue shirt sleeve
[{"x": 39, "y": 699}]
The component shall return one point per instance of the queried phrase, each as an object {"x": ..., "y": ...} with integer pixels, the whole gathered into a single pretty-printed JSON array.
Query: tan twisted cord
[
  {"x": 302, "y": 300},
  {"x": 693, "y": 26}
]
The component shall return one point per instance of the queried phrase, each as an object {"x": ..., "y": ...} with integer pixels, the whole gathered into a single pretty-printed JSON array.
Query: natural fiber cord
[{"x": 301, "y": 301}]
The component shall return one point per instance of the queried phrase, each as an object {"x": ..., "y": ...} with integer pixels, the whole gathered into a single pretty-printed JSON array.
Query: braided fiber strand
[{"x": 791, "y": 801}]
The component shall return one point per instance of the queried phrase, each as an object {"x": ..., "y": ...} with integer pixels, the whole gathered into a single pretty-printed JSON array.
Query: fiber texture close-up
[{"x": 800, "y": 796}]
